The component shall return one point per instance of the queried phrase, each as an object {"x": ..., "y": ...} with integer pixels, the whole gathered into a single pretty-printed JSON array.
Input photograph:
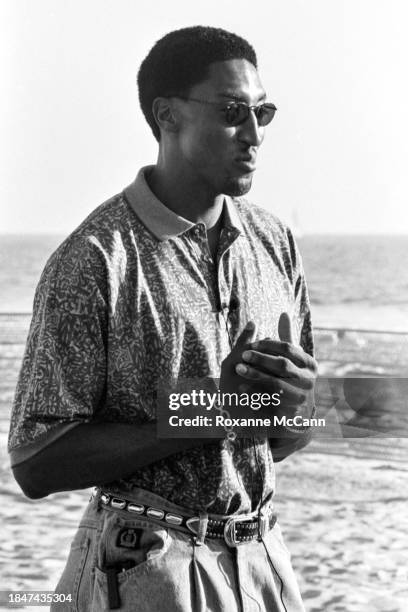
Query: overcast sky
[{"x": 72, "y": 134}]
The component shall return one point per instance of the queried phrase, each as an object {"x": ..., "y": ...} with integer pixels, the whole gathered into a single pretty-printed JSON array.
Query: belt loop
[
  {"x": 202, "y": 528},
  {"x": 263, "y": 524},
  {"x": 96, "y": 498}
]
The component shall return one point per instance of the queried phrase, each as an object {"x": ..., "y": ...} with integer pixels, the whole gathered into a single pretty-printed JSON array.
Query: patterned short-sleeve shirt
[{"x": 133, "y": 296}]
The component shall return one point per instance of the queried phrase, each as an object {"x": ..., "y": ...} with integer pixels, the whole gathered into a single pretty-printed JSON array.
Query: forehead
[{"x": 235, "y": 78}]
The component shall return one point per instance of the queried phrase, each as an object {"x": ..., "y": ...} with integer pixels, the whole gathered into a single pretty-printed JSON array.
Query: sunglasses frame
[{"x": 254, "y": 108}]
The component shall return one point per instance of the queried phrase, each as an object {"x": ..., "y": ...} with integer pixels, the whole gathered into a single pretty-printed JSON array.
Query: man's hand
[
  {"x": 230, "y": 380},
  {"x": 278, "y": 366}
]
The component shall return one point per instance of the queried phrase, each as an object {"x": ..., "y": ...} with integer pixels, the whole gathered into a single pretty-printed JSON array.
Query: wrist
[{"x": 299, "y": 429}]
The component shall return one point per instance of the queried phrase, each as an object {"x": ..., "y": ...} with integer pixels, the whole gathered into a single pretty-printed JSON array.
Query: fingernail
[
  {"x": 250, "y": 326},
  {"x": 247, "y": 356},
  {"x": 241, "y": 369}
]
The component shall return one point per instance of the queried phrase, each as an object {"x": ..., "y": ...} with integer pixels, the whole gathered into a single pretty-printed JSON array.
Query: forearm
[{"x": 95, "y": 453}]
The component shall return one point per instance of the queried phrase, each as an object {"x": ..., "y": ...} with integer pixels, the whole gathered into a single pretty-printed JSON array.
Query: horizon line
[{"x": 298, "y": 236}]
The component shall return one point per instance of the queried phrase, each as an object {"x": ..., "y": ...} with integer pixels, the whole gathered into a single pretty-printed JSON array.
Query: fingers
[
  {"x": 290, "y": 394},
  {"x": 228, "y": 373},
  {"x": 288, "y": 351},
  {"x": 278, "y": 366},
  {"x": 247, "y": 335},
  {"x": 285, "y": 328}
]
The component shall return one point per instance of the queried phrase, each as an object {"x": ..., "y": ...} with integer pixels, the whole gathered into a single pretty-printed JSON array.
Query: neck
[{"x": 184, "y": 194}]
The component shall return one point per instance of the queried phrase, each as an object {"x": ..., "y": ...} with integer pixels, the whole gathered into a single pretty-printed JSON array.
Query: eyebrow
[{"x": 231, "y": 95}]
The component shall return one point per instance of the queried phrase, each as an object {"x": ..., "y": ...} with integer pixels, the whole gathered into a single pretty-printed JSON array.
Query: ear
[{"x": 165, "y": 114}]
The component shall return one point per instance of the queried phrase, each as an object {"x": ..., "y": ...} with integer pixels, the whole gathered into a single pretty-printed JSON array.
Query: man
[{"x": 177, "y": 277}]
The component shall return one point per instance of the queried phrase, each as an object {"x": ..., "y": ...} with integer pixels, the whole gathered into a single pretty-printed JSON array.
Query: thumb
[
  {"x": 247, "y": 335},
  {"x": 285, "y": 328}
]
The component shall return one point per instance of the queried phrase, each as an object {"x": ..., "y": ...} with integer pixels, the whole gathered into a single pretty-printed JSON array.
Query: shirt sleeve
[
  {"x": 62, "y": 378},
  {"x": 302, "y": 321},
  {"x": 301, "y": 313}
]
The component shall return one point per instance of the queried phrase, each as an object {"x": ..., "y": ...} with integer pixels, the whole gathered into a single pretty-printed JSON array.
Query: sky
[{"x": 71, "y": 132}]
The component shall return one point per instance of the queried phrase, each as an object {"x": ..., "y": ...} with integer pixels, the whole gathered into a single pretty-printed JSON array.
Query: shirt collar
[{"x": 160, "y": 220}]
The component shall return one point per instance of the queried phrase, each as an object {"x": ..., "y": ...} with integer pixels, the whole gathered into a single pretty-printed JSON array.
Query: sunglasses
[{"x": 237, "y": 112}]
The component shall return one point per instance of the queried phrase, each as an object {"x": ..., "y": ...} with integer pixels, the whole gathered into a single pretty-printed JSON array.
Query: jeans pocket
[
  {"x": 133, "y": 546},
  {"x": 76, "y": 579},
  {"x": 129, "y": 563}
]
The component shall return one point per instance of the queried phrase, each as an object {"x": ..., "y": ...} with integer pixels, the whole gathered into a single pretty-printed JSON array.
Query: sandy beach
[
  {"x": 342, "y": 505},
  {"x": 346, "y": 526}
]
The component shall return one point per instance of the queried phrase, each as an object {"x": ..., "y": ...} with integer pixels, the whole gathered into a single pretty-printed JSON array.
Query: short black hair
[{"x": 180, "y": 60}]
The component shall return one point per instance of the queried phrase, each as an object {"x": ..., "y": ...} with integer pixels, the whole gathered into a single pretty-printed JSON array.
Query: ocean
[
  {"x": 341, "y": 502},
  {"x": 354, "y": 281},
  {"x": 357, "y": 281}
]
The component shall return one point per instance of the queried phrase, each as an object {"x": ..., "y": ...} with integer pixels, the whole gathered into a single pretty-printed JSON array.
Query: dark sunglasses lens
[
  {"x": 236, "y": 113},
  {"x": 265, "y": 113}
]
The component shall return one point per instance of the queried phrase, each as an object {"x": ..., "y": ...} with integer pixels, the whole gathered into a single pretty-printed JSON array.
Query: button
[
  {"x": 154, "y": 513},
  {"x": 137, "y": 508}
]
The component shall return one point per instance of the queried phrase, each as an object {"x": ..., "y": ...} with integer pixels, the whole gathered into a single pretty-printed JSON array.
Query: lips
[{"x": 246, "y": 163}]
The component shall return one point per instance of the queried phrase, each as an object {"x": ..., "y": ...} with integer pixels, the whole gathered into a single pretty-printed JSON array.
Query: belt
[{"x": 235, "y": 530}]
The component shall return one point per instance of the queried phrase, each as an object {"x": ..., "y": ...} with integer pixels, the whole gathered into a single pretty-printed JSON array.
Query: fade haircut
[{"x": 181, "y": 59}]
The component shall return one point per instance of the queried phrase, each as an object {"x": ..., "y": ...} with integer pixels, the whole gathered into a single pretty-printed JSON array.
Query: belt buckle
[{"x": 230, "y": 535}]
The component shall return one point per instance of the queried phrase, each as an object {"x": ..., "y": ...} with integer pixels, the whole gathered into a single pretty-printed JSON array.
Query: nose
[{"x": 250, "y": 132}]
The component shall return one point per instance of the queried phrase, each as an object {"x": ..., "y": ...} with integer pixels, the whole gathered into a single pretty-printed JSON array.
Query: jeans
[{"x": 168, "y": 572}]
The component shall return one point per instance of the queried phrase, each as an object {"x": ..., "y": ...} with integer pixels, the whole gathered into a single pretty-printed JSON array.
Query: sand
[{"x": 346, "y": 524}]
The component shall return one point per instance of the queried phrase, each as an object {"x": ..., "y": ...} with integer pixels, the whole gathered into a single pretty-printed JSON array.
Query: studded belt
[{"x": 235, "y": 530}]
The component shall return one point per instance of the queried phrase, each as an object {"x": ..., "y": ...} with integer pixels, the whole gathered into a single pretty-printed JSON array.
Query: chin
[{"x": 238, "y": 186}]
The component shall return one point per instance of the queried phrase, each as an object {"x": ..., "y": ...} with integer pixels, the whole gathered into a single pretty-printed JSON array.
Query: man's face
[{"x": 220, "y": 156}]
